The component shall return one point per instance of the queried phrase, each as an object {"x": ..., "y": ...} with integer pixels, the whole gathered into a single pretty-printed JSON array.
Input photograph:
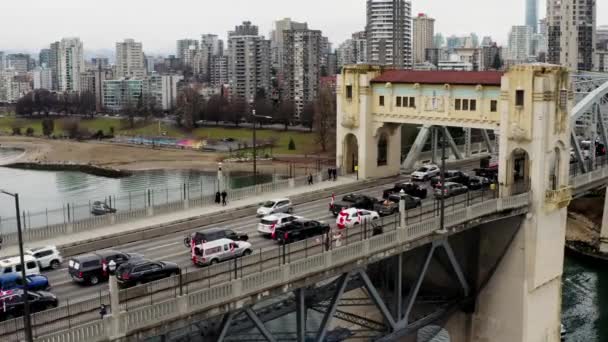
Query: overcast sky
[{"x": 33, "y": 24}]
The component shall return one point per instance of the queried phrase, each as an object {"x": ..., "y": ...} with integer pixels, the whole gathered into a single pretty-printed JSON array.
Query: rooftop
[{"x": 490, "y": 78}]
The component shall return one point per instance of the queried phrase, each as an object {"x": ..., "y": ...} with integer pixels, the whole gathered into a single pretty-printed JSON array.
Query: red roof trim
[{"x": 490, "y": 78}]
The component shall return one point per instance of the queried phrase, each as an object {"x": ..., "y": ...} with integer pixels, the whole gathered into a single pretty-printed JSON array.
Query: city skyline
[{"x": 158, "y": 29}]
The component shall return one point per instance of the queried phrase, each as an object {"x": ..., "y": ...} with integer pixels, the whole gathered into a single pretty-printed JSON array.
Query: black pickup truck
[
  {"x": 409, "y": 188},
  {"x": 353, "y": 201},
  {"x": 390, "y": 206},
  {"x": 300, "y": 230}
]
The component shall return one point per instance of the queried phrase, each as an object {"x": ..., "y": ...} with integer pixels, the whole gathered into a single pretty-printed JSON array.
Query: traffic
[{"x": 277, "y": 222}]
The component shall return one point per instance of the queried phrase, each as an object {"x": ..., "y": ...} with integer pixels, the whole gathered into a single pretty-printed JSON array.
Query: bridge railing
[{"x": 252, "y": 283}]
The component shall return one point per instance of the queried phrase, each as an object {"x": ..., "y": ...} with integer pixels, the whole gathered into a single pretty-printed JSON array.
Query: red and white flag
[
  {"x": 192, "y": 247},
  {"x": 333, "y": 200}
]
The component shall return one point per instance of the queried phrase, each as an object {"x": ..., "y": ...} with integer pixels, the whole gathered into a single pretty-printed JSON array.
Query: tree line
[{"x": 44, "y": 102}]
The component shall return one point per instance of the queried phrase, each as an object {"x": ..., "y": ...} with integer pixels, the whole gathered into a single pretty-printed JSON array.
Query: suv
[
  {"x": 282, "y": 205},
  {"x": 143, "y": 271},
  {"x": 353, "y": 201},
  {"x": 451, "y": 190},
  {"x": 351, "y": 217},
  {"x": 92, "y": 268},
  {"x": 11, "y": 303},
  {"x": 15, "y": 281},
  {"x": 453, "y": 176},
  {"x": 220, "y": 250},
  {"x": 101, "y": 208},
  {"x": 300, "y": 230},
  {"x": 212, "y": 235},
  {"x": 47, "y": 257},
  {"x": 268, "y": 224},
  {"x": 425, "y": 172},
  {"x": 390, "y": 206},
  {"x": 409, "y": 188}
]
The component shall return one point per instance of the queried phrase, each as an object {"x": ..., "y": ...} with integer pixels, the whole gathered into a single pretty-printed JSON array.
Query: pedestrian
[
  {"x": 103, "y": 311},
  {"x": 335, "y": 173},
  {"x": 224, "y": 195},
  {"x": 217, "y": 197},
  {"x": 329, "y": 173},
  {"x": 310, "y": 179}
]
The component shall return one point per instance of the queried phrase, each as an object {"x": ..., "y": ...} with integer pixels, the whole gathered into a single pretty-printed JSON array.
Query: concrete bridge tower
[{"x": 522, "y": 301}]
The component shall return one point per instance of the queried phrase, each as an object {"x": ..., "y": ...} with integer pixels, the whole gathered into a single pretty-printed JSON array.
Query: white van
[
  {"x": 212, "y": 252},
  {"x": 13, "y": 265}
]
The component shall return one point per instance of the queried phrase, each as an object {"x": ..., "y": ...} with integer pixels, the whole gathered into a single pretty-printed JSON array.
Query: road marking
[{"x": 161, "y": 246}]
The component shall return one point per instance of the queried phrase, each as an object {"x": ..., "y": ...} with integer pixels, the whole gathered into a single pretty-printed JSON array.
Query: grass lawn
[{"x": 304, "y": 141}]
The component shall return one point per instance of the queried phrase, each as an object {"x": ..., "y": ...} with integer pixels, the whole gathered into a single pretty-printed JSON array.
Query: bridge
[{"x": 479, "y": 273}]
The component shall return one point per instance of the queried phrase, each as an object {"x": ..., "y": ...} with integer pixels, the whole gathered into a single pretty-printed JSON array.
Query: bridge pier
[{"x": 604, "y": 231}]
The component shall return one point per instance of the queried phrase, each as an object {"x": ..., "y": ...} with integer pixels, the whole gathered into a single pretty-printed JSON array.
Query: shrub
[
  {"x": 112, "y": 131},
  {"x": 16, "y": 130},
  {"x": 29, "y": 132},
  {"x": 292, "y": 144},
  {"x": 48, "y": 126},
  {"x": 71, "y": 127}
]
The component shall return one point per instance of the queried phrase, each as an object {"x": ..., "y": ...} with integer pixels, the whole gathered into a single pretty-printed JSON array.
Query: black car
[
  {"x": 453, "y": 176},
  {"x": 390, "y": 205},
  {"x": 353, "y": 201},
  {"x": 415, "y": 190},
  {"x": 478, "y": 183},
  {"x": 451, "y": 190},
  {"x": 212, "y": 235},
  {"x": 300, "y": 230},
  {"x": 12, "y": 303},
  {"x": 144, "y": 271},
  {"x": 490, "y": 172},
  {"x": 93, "y": 268}
]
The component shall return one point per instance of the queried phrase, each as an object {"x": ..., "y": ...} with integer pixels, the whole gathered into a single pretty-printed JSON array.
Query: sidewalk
[{"x": 159, "y": 220}]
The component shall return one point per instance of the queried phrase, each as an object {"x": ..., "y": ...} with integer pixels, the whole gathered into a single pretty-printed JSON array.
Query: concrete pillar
[
  {"x": 114, "y": 295},
  {"x": 604, "y": 232},
  {"x": 402, "y": 210}
]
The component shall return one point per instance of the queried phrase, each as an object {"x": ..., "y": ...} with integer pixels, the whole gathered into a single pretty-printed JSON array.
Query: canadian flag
[
  {"x": 333, "y": 200},
  {"x": 192, "y": 247},
  {"x": 342, "y": 219}
]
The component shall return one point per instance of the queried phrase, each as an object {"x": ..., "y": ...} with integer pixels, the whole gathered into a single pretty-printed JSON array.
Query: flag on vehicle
[{"x": 333, "y": 200}]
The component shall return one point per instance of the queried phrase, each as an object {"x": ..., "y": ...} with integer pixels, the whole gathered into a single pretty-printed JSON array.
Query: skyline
[{"x": 159, "y": 28}]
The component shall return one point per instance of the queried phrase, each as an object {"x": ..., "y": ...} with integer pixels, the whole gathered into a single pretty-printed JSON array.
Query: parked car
[
  {"x": 93, "y": 268},
  {"x": 490, "y": 172},
  {"x": 415, "y": 190},
  {"x": 15, "y": 281},
  {"x": 282, "y": 205},
  {"x": 300, "y": 230},
  {"x": 142, "y": 271},
  {"x": 453, "y": 176},
  {"x": 13, "y": 265},
  {"x": 425, "y": 172},
  {"x": 220, "y": 250},
  {"x": 451, "y": 190},
  {"x": 390, "y": 205},
  {"x": 351, "y": 217},
  {"x": 12, "y": 303},
  {"x": 478, "y": 183},
  {"x": 101, "y": 208},
  {"x": 212, "y": 235},
  {"x": 47, "y": 257},
  {"x": 353, "y": 201},
  {"x": 269, "y": 223}
]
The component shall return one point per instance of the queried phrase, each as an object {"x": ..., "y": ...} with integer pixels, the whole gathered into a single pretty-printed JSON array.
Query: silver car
[{"x": 276, "y": 206}]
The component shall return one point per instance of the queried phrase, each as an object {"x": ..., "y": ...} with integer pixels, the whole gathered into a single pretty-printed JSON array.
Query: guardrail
[
  {"x": 251, "y": 284},
  {"x": 583, "y": 179}
]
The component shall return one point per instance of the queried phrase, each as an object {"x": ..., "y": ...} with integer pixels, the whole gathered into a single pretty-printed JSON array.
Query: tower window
[
  {"x": 519, "y": 98},
  {"x": 381, "y": 102}
]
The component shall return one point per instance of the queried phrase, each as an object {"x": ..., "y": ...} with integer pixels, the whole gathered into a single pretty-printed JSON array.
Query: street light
[
  {"x": 255, "y": 165},
  {"x": 26, "y": 305}
]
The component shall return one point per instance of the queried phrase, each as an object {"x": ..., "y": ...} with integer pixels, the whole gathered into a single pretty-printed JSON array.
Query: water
[
  {"x": 46, "y": 195},
  {"x": 585, "y": 301}
]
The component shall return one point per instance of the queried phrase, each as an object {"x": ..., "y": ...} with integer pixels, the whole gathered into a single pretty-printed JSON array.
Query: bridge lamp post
[
  {"x": 255, "y": 165},
  {"x": 26, "y": 305}
]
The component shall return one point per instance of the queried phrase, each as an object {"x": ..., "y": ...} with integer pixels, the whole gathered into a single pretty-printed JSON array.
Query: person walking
[
  {"x": 224, "y": 195},
  {"x": 218, "y": 198},
  {"x": 310, "y": 179},
  {"x": 329, "y": 173},
  {"x": 103, "y": 311}
]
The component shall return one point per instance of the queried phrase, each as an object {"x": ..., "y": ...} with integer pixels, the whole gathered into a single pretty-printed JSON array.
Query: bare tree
[
  {"x": 284, "y": 113},
  {"x": 308, "y": 115},
  {"x": 190, "y": 105},
  {"x": 325, "y": 118}
]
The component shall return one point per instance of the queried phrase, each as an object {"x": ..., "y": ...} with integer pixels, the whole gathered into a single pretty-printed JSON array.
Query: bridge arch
[
  {"x": 383, "y": 148},
  {"x": 351, "y": 153}
]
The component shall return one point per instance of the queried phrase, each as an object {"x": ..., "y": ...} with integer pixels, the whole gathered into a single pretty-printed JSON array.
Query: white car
[
  {"x": 426, "y": 172},
  {"x": 47, "y": 257},
  {"x": 351, "y": 217},
  {"x": 276, "y": 206},
  {"x": 269, "y": 223},
  {"x": 216, "y": 251}
]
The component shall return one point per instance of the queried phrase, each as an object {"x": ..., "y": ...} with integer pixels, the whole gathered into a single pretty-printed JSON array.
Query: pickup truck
[
  {"x": 353, "y": 201},
  {"x": 390, "y": 206},
  {"x": 409, "y": 188},
  {"x": 300, "y": 230}
]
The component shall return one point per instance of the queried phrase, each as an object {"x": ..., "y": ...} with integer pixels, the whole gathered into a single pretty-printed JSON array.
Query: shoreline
[{"x": 88, "y": 169}]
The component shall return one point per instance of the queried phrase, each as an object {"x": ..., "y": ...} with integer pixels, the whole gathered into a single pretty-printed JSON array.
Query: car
[
  {"x": 351, "y": 217},
  {"x": 353, "y": 201},
  {"x": 415, "y": 190},
  {"x": 220, "y": 250},
  {"x": 143, "y": 271},
  {"x": 390, "y": 206},
  {"x": 93, "y": 268},
  {"x": 276, "y": 206},
  {"x": 212, "y": 235},
  {"x": 478, "y": 183},
  {"x": 269, "y": 223},
  {"x": 454, "y": 176},
  {"x": 101, "y": 208},
  {"x": 12, "y": 303},
  {"x": 13, "y": 265},
  {"x": 425, "y": 172},
  {"x": 490, "y": 172},
  {"x": 47, "y": 257},
  {"x": 451, "y": 190},
  {"x": 300, "y": 230},
  {"x": 15, "y": 281}
]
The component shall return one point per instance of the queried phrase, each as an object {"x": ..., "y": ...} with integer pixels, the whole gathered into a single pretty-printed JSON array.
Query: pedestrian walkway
[{"x": 173, "y": 217}]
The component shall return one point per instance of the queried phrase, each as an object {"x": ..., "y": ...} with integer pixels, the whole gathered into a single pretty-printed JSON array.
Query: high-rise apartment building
[
  {"x": 249, "y": 62},
  {"x": 218, "y": 75},
  {"x": 571, "y": 26},
  {"x": 54, "y": 65},
  {"x": 423, "y": 34},
  {"x": 70, "y": 64},
  {"x": 161, "y": 90},
  {"x": 302, "y": 51},
  {"x": 183, "y": 46},
  {"x": 18, "y": 62},
  {"x": 532, "y": 15},
  {"x": 352, "y": 51},
  {"x": 100, "y": 62},
  {"x": 520, "y": 39},
  {"x": 43, "y": 79},
  {"x": 130, "y": 59},
  {"x": 210, "y": 46},
  {"x": 276, "y": 38},
  {"x": 44, "y": 58},
  {"x": 389, "y": 33}
]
